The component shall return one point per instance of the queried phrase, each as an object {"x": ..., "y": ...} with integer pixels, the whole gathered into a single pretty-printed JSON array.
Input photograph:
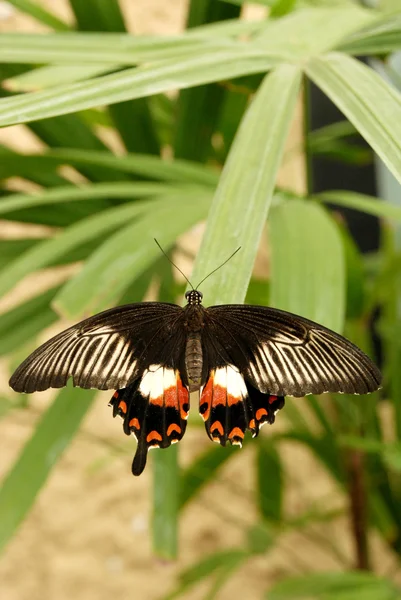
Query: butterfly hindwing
[
  {"x": 154, "y": 408},
  {"x": 282, "y": 354},
  {"x": 229, "y": 406},
  {"x": 105, "y": 351}
]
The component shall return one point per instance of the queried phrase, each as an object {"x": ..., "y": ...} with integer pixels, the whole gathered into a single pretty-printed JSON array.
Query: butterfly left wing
[{"x": 105, "y": 351}]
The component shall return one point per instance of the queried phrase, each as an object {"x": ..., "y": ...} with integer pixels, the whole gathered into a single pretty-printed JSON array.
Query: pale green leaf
[
  {"x": 126, "y": 254},
  {"x": 307, "y": 263},
  {"x": 44, "y": 253},
  {"x": 95, "y": 191},
  {"x": 133, "y": 83},
  {"x": 371, "y": 104},
  {"x": 311, "y": 31},
  {"x": 244, "y": 194},
  {"x": 367, "y": 204}
]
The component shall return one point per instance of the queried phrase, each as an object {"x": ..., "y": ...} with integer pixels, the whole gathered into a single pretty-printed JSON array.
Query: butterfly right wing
[{"x": 104, "y": 352}]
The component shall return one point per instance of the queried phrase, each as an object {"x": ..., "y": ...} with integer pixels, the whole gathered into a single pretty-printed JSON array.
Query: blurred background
[{"x": 304, "y": 498}]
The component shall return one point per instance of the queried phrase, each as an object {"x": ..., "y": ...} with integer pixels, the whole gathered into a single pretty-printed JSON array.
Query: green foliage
[{"x": 239, "y": 83}]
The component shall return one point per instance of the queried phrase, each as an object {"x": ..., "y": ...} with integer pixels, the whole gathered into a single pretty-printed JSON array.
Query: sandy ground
[{"x": 88, "y": 535}]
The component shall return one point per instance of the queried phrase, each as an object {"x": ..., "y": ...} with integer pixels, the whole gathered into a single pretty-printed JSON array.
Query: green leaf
[
  {"x": 28, "y": 475},
  {"x": 311, "y": 31},
  {"x": 40, "y": 14},
  {"x": 46, "y": 252},
  {"x": 165, "y": 503},
  {"x": 25, "y": 321},
  {"x": 370, "y": 103},
  {"x": 202, "y": 470},
  {"x": 353, "y": 585},
  {"x": 71, "y": 193},
  {"x": 129, "y": 252},
  {"x": 367, "y": 204},
  {"x": 381, "y": 37},
  {"x": 52, "y": 75},
  {"x": 244, "y": 194},
  {"x": 270, "y": 482},
  {"x": 216, "y": 563},
  {"x": 203, "y": 67},
  {"x": 301, "y": 281},
  {"x": 151, "y": 167}
]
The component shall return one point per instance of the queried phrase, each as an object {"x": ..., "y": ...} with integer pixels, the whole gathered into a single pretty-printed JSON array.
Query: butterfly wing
[
  {"x": 283, "y": 354},
  {"x": 106, "y": 351}
]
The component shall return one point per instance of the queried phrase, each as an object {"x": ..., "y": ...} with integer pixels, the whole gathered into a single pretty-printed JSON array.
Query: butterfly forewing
[
  {"x": 105, "y": 351},
  {"x": 283, "y": 354}
]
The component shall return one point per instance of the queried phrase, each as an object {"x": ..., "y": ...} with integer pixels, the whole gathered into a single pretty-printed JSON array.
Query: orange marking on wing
[
  {"x": 173, "y": 427},
  {"x": 260, "y": 413},
  {"x": 206, "y": 398},
  {"x": 217, "y": 425},
  {"x": 233, "y": 399},
  {"x": 219, "y": 395},
  {"x": 252, "y": 424},
  {"x": 272, "y": 399},
  {"x": 123, "y": 406},
  {"x": 154, "y": 435},
  {"x": 115, "y": 395},
  {"x": 134, "y": 423},
  {"x": 171, "y": 397},
  {"x": 183, "y": 397},
  {"x": 158, "y": 401},
  {"x": 236, "y": 432}
]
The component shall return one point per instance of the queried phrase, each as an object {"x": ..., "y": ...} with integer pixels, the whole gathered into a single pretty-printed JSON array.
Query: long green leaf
[
  {"x": 371, "y": 104},
  {"x": 245, "y": 190},
  {"x": 335, "y": 586},
  {"x": 25, "y": 321},
  {"x": 134, "y": 83},
  {"x": 367, "y": 204},
  {"x": 301, "y": 281},
  {"x": 52, "y": 435},
  {"x": 46, "y": 252},
  {"x": 127, "y": 253},
  {"x": 71, "y": 193},
  {"x": 40, "y": 14}
]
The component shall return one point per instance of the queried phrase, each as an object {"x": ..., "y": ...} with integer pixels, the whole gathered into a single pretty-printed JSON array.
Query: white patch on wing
[
  {"x": 152, "y": 382},
  {"x": 235, "y": 383},
  {"x": 220, "y": 377},
  {"x": 169, "y": 379}
]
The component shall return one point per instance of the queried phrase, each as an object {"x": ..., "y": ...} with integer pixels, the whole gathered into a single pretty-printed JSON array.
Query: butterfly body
[{"x": 242, "y": 359}]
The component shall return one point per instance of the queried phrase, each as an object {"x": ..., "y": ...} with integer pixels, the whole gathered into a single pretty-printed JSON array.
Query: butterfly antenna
[
  {"x": 219, "y": 267},
  {"x": 174, "y": 265}
]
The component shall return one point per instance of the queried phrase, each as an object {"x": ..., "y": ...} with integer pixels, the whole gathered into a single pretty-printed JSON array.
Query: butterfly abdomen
[{"x": 194, "y": 361}]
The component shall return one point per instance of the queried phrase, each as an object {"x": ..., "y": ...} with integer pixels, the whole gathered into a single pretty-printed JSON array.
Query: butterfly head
[{"x": 193, "y": 297}]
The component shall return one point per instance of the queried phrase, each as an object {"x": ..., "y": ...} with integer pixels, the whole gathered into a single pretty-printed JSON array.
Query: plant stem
[{"x": 358, "y": 507}]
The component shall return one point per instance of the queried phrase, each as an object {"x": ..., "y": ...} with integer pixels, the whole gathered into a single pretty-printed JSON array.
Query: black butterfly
[{"x": 243, "y": 360}]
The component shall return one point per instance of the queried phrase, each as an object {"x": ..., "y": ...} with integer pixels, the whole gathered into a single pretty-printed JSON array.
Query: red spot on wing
[
  {"x": 183, "y": 398},
  {"x": 219, "y": 395},
  {"x": 217, "y": 426},
  {"x": 115, "y": 395},
  {"x": 123, "y": 406},
  {"x": 173, "y": 427},
  {"x": 135, "y": 423},
  {"x": 154, "y": 435},
  {"x": 261, "y": 412},
  {"x": 171, "y": 397},
  {"x": 252, "y": 424},
  {"x": 272, "y": 399}
]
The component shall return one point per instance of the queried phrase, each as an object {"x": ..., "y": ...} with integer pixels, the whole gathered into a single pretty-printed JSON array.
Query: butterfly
[{"x": 242, "y": 359}]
